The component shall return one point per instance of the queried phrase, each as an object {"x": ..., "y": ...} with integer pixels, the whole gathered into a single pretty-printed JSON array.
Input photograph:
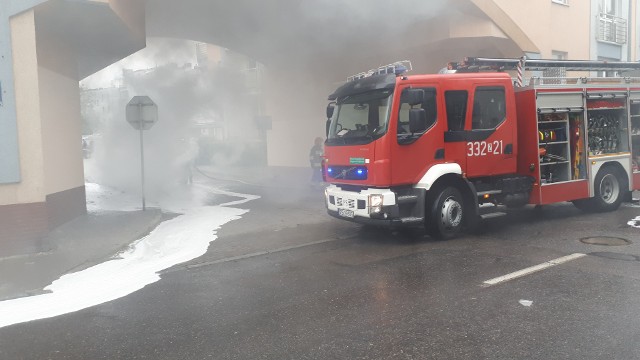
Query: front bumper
[
  {"x": 354, "y": 206},
  {"x": 368, "y": 220}
]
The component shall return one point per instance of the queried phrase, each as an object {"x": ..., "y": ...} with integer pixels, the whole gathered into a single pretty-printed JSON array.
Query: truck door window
[
  {"x": 456, "y": 109},
  {"x": 428, "y": 104},
  {"x": 488, "y": 108}
]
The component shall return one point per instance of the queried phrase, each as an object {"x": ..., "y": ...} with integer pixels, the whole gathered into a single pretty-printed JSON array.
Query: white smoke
[{"x": 185, "y": 95}]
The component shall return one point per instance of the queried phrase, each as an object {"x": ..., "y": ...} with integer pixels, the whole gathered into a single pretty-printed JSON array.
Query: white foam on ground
[
  {"x": 175, "y": 241},
  {"x": 635, "y": 222}
]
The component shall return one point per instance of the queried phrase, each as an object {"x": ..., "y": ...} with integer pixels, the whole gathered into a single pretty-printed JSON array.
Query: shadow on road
[{"x": 522, "y": 218}]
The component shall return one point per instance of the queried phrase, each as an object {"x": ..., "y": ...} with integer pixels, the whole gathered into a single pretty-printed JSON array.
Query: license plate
[{"x": 345, "y": 213}]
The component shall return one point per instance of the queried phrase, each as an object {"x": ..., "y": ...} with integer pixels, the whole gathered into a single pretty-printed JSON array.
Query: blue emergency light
[{"x": 347, "y": 172}]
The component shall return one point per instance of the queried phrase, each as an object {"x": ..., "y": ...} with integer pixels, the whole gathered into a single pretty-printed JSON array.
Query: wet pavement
[
  {"x": 288, "y": 282},
  {"x": 76, "y": 245}
]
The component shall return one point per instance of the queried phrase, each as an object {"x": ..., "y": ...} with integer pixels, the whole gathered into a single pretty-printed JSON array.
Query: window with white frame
[
  {"x": 612, "y": 22},
  {"x": 610, "y": 7}
]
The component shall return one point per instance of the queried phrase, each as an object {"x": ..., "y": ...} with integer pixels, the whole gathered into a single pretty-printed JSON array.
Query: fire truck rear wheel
[
  {"x": 447, "y": 214},
  {"x": 608, "y": 190}
]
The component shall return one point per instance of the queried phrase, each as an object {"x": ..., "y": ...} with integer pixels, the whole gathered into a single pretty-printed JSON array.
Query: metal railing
[
  {"x": 538, "y": 80},
  {"x": 612, "y": 29}
]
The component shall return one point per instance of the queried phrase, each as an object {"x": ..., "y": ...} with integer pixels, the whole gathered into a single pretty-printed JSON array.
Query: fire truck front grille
[{"x": 345, "y": 202}]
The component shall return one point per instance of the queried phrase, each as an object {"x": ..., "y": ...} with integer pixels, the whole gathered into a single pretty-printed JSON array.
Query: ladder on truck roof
[
  {"x": 479, "y": 64},
  {"x": 397, "y": 68}
]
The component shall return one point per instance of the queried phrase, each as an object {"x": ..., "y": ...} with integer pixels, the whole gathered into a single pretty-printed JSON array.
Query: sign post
[{"x": 142, "y": 113}]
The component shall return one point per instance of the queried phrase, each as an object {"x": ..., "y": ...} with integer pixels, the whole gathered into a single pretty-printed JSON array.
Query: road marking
[{"x": 532, "y": 269}]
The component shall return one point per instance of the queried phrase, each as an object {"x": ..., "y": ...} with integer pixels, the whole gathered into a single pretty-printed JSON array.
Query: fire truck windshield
[{"x": 361, "y": 118}]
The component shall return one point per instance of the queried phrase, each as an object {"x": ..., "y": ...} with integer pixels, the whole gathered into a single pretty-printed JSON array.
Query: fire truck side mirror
[
  {"x": 413, "y": 96},
  {"x": 330, "y": 108},
  {"x": 417, "y": 120}
]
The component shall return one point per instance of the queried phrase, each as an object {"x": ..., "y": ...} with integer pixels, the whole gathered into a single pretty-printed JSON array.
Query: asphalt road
[{"x": 288, "y": 282}]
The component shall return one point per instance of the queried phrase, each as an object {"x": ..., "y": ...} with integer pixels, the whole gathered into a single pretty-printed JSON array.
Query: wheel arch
[
  {"x": 436, "y": 173},
  {"x": 466, "y": 188},
  {"x": 616, "y": 166}
]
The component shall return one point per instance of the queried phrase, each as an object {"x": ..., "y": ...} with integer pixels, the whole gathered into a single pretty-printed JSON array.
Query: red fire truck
[{"x": 446, "y": 150}]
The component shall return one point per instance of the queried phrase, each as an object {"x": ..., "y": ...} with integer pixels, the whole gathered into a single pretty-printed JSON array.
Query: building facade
[{"x": 45, "y": 51}]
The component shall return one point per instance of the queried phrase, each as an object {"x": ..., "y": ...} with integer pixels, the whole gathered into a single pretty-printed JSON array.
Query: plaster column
[{"x": 23, "y": 209}]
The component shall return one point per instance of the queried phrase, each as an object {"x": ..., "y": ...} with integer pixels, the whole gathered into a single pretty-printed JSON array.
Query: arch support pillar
[{"x": 47, "y": 52}]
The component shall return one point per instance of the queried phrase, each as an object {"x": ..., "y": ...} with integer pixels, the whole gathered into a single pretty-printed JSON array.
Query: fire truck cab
[{"x": 444, "y": 150}]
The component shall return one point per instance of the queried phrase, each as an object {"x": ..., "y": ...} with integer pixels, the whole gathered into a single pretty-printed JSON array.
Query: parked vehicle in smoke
[{"x": 446, "y": 150}]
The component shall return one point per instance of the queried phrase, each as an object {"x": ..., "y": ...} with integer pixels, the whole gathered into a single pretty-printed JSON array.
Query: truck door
[
  {"x": 491, "y": 142},
  {"x": 456, "y": 103},
  {"x": 413, "y": 154}
]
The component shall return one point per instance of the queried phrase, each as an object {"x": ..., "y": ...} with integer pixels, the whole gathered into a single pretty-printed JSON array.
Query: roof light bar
[{"x": 397, "y": 68}]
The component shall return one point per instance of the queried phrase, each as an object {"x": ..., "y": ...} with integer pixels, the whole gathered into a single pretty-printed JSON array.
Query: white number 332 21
[{"x": 483, "y": 148}]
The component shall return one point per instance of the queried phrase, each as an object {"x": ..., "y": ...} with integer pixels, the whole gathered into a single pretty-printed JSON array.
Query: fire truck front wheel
[{"x": 447, "y": 215}]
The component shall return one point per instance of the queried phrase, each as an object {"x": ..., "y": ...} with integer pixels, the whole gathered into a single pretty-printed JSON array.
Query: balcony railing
[{"x": 612, "y": 29}]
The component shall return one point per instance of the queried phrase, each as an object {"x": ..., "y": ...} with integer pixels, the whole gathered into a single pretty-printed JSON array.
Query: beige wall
[
  {"x": 132, "y": 12},
  {"x": 552, "y": 26},
  {"x": 47, "y": 60},
  {"x": 62, "y": 131},
  {"x": 48, "y": 117},
  {"x": 59, "y": 112},
  {"x": 296, "y": 103},
  {"x": 471, "y": 26},
  {"x": 31, "y": 188}
]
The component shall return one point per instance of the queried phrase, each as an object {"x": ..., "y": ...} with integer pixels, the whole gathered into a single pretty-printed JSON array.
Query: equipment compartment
[
  {"x": 607, "y": 130},
  {"x": 635, "y": 135},
  {"x": 553, "y": 147}
]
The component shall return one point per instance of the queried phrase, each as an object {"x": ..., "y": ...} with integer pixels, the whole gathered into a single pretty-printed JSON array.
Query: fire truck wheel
[
  {"x": 608, "y": 190},
  {"x": 447, "y": 214}
]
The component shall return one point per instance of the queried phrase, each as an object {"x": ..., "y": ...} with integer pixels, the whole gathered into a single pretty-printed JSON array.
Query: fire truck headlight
[
  {"x": 375, "y": 200},
  {"x": 375, "y": 203}
]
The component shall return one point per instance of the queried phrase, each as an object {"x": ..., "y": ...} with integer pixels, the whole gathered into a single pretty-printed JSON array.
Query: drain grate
[{"x": 605, "y": 240}]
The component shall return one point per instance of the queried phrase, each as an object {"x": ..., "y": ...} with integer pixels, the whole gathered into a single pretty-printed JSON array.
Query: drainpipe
[{"x": 630, "y": 31}]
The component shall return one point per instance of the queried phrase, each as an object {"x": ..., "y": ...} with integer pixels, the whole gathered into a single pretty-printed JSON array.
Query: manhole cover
[{"x": 605, "y": 240}]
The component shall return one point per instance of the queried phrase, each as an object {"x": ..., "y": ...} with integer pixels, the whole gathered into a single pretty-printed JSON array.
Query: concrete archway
[{"x": 308, "y": 46}]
